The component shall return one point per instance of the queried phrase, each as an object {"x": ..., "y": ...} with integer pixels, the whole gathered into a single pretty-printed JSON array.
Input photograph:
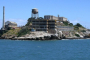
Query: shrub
[
  {"x": 83, "y": 30},
  {"x": 65, "y": 22},
  {"x": 2, "y": 32},
  {"x": 23, "y": 32},
  {"x": 71, "y": 24},
  {"x": 79, "y": 25},
  {"x": 77, "y": 35}
]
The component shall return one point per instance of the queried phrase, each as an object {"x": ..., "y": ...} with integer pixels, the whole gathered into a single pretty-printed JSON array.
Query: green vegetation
[
  {"x": 65, "y": 23},
  {"x": 71, "y": 24},
  {"x": 9, "y": 28},
  {"x": 2, "y": 32},
  {"x": 12, "y": 32},
  {"x": 29, "y": 21},
  {"x": 76, "y": 28},
  {"x": 77, "y": 35},
  {"x": 23, "y": 32},
  {"x": 79, "y": 25},
  {"x": 83, "y": 30}
]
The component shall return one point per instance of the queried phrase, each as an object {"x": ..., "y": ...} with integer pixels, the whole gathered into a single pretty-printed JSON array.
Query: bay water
[{"x": 45, "y": 50}]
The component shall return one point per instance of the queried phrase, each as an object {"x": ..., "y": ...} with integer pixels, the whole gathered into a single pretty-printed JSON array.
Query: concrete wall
[{"x": 65, "y": 28}]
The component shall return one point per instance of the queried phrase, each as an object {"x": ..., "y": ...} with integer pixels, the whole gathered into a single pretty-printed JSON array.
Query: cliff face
[{"x": 89, "y": 35}]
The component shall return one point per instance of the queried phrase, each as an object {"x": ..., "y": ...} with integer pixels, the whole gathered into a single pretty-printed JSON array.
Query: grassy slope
[{"x": 12, "y": 32}]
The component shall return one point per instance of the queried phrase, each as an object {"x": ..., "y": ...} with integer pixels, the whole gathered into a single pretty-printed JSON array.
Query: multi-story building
[
  {"x": 43, "y": 24},
  {"x": 51, "y": 17}
]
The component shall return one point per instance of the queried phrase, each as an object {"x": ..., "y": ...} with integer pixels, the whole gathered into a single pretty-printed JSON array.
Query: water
[{"x": 45, "y": 50}]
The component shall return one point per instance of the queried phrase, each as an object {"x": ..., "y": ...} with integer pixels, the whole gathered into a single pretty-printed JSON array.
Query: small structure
[
  {"x": 34, "y": 13},
  {"x": 33, "y": 30},
  {"x": 10, "y": 24}
]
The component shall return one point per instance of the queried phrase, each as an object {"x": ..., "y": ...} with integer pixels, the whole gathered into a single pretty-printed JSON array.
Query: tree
[
  {"x": 71, "y": 24},
  {"x": 66, "y": 22},
  {"x": 77, "y": 35},
  {"x": 78, "y": 25},
  {"x": 23, "y": 31}
]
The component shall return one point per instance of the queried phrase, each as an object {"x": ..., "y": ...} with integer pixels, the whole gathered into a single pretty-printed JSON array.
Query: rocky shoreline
[
  {"x": 42, "y": 39},
  {"x": 37, "y": 38}
]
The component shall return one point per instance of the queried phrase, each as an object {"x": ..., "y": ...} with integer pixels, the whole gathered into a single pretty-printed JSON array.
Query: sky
[{"x": 76, "y": 11}]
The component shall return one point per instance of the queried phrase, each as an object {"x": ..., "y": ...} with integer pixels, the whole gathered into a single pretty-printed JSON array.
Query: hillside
[{"x": 11, "y": 33}]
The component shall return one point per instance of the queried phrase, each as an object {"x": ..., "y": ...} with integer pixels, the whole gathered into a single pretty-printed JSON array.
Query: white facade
[
  {"x": 11, "y": 24},
  {"x": 51, "y": 17},
  {"x": 65, "y": 28},
  {"x": 62, "y": 18}
]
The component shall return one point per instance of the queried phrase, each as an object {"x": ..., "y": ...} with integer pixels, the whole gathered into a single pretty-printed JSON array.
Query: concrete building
[
  {"x": 51, "y": 17},
  {"x": 65, "y": 28},
  {"x": 10, "y": 24},
  {"x": 43, "y": 25},
  {"x": 62, "y": 19}
]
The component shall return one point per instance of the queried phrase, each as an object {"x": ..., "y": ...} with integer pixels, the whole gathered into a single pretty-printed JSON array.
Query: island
[{"x": 48, "y": 28}]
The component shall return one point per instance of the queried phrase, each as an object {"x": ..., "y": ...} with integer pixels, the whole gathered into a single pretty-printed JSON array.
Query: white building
[
  {"x": 62, "y": 19},
  {"x": 10, "y": 24},
  {"x": 51, "y": 17},
  {"x": 65, "y": 28}
]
